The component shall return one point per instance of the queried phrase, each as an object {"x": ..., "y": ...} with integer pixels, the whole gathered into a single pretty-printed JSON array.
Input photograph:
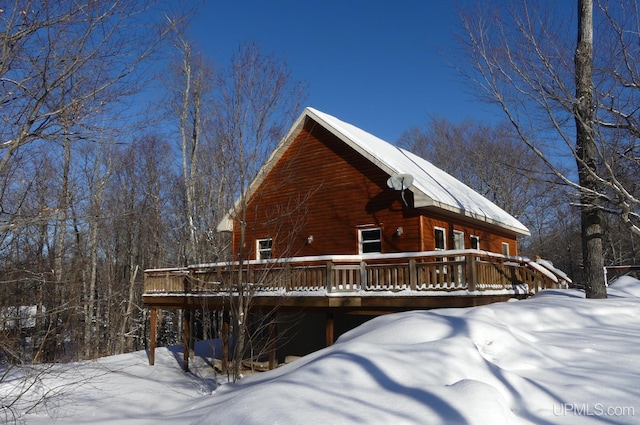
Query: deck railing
[{"x": 471, "y": 271}]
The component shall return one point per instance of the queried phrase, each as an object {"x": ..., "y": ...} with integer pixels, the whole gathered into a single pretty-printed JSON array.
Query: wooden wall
[
  {"x": 323, "y": 188},
  {"x": 490, "y": 238}
]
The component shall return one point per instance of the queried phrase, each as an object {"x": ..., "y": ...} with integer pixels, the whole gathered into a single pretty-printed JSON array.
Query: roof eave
[
  {"x": 426, "y": 202},
  {"x": 226, "y": 224}
]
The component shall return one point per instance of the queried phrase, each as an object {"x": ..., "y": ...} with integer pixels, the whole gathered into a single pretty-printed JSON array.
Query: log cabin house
[{"x": 339, "y": 221}]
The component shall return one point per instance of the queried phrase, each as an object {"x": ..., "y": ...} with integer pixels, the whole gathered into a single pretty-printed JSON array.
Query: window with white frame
[
  {"x": 264, "y": 249},
  {"x": 458, "y": 243},
  {"x": 440, "y": 239},
  {"x": 458, "y": 239},
  {"x": 505, "y": 248},
  {"x": 475, "y": 242},
  {"x": 370, "y": 240}
]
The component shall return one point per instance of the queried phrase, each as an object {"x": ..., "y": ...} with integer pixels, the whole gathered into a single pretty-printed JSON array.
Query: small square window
[
  {"x": 370, "y": 240},
  {"x": 264, "y": 249}
]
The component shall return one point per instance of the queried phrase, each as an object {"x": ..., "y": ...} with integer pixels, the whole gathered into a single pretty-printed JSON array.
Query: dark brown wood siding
[
  {"x": 323, "y": 188},
  {"x": 490, "y": 238}
]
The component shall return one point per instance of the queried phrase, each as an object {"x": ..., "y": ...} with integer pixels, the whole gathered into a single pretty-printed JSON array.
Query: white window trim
[
  {"x": 259, "y": 251},
  {"x": 477, "y": 238},
  {"x": 461, "y": 238},
  {"x": 458, "y": 235},
  {"x": 361, "y": 242},
  {"x": 505, "y": 249},
  {"x": 444, "y": 238}
]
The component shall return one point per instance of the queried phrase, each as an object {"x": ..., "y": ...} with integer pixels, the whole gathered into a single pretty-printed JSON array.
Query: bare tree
[
  {"x": 138, "y": 189},
  {"x": 65, "y": 60},
  {"x": 191, "y": 91},
  {"x": 584, "y": 112},
  {"x": 490, "y": 159},
  {"x": 257, "y": 101},
  {"x": 66, "y": 71},
  {"x": 586, "y": 155}
]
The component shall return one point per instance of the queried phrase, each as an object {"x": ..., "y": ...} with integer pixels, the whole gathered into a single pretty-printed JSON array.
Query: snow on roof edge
[{"x": 482, "y": 210}]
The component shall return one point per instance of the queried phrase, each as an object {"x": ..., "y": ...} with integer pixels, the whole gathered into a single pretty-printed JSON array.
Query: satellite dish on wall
[{"x": 400, "y": 182}]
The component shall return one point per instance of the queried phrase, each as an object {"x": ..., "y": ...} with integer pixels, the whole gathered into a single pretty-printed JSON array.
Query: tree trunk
[
  {"x": 586, "y": 151},
  {"x": 128, "y": 322},
  {"x": 189, "y": 149},
  {"x": 240, "y": 312}
]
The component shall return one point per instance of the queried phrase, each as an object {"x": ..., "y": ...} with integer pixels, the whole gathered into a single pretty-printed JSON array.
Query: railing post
[
  {"x": 413, "y": 274},
  {"x": 288, "y": 277},
  {"x": 219, "y": 277},
  {"x": 472, "y": 272},
  {"x": 329, "y": 277},
  {"x": 364, "y": 277}
]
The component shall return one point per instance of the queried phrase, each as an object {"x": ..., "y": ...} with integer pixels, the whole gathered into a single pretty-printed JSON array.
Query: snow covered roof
[{"x": 431, "y": 186}]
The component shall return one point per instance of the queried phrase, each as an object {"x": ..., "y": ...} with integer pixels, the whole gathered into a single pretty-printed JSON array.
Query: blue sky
[{"x": 380, "y": 65}]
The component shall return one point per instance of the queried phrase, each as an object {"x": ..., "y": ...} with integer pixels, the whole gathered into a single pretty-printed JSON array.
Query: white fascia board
[
  {"x": 422, "y": 201},
  {"x": 226, "y": 224}
]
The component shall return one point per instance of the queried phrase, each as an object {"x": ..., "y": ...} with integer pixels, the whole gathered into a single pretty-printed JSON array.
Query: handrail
[
  {"x": 339, "y": 258},
  {"x": 472, "y": 271}
]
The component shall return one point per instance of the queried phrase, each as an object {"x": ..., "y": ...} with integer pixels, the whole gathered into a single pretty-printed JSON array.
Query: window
[
  {"x": 458, "y": 239},
  {"x": 264, "y": 249},
  {"x": 458, "y": 243},
  {"x": 505, "y": 248},
  {"x": 441, "y": 241},
  {"x": 475, "y": 242},
  {"x": 370, "y": 240}
]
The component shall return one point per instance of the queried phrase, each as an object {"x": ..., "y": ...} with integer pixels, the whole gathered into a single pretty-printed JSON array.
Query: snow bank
[
  {"x": 544, "y": 360},
  {"x": 554, "y": 359},
  {"x": 625, "y": 286}
]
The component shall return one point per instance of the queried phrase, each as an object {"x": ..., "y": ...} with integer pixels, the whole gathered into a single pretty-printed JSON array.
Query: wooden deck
[
  {"x": 421, "y": 279},
  {"x": 364, "y": 284}
]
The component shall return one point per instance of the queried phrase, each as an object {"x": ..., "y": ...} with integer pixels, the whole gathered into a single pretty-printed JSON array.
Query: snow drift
[{"x": 554, "y": 359}]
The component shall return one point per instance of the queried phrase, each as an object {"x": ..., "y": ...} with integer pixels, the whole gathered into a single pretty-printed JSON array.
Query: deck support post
[
  {"x": 226, "y": 320},
  {"x": 153, "y": 336},
  {"x": 329, "y": 329},
  {"x": 192, "y": 339},
  {"x": 272, "y": 343},
  {"x": 186, "y": 338}
]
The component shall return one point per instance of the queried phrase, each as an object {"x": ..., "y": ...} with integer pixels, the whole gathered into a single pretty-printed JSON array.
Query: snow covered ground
[{"x": 553, "y": 359}]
